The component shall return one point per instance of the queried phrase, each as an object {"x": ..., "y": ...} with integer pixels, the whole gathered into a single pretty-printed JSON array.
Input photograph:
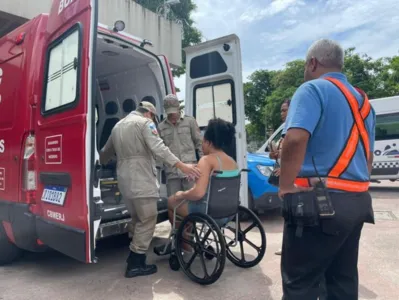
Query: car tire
[{"x": 8, "y": 251}]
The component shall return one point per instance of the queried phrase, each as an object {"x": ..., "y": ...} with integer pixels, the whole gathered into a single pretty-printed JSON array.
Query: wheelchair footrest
[{"x": 162, "y": 250}]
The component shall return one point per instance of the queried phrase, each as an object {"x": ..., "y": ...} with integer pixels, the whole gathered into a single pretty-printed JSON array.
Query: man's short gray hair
[{"x": 329, "y": 53}]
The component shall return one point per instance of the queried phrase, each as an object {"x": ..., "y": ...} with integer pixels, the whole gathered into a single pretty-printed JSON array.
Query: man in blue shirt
[{"x": 329, "y": 133}]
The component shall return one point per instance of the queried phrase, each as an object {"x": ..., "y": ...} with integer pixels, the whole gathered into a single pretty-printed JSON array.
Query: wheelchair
[{"x": 203, "y": 241}]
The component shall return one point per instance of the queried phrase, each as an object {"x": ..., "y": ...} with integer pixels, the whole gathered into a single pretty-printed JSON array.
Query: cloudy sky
[{"x": 274, "y": 32}]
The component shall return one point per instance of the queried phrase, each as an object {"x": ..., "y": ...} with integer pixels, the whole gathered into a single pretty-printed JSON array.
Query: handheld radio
[{"x": 324, "y": 204}]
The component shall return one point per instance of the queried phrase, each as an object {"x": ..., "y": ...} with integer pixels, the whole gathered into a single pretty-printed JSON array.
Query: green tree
[
  {"x": 266, "y": 90},
  {"x": 181, "y": 13},
  {"x": 285, "y": 83},
  {"x": 255, "y": 92}
]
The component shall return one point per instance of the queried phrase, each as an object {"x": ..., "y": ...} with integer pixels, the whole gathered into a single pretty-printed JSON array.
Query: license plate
[{"x": 54, "y": 195}]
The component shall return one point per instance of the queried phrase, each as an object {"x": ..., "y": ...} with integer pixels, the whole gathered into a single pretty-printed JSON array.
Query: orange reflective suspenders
[{"x": 358, "y": 133}]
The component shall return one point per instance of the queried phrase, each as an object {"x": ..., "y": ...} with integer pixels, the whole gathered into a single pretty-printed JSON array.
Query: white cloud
[
  {"x": 273, "y": 33},
  {"x": 369, "y": 26},
  {"x": 256, "y": 12}
]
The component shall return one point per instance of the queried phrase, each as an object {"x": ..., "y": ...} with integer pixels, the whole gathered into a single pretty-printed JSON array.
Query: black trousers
[{"x": 323, "y": 262}]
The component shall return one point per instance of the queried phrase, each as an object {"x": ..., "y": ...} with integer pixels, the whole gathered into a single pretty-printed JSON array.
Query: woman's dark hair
[
  {"x": 287, "y": 101},
  {"x": 221, "y": 134}
]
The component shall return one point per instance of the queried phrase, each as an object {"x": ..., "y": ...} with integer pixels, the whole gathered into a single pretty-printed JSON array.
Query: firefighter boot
[{"x": 136, "y": 266}]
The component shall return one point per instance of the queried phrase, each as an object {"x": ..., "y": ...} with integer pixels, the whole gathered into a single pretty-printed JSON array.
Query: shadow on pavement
[{"x": 51, "y": 275}]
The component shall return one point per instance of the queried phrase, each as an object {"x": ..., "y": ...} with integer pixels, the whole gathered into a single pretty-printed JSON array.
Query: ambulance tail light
[{"x": 29, "y": 169}]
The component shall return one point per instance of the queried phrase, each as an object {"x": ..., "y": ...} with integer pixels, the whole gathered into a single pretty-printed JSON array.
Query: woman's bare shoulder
[{"x": 206, "y": 159}]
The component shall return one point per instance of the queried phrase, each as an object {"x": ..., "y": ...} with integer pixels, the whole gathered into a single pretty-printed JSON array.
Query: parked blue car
[{"x": 261, "y": 195}]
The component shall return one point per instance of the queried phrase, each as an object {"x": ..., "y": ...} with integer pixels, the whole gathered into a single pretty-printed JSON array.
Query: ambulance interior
[{"x": 124, "y": 75}]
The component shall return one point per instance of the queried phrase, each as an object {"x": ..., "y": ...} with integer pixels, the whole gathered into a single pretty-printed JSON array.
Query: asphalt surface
[{"x": 54, "y": 276}]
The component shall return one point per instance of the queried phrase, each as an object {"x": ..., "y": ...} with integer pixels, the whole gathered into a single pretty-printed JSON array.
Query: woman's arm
[
  {"x": 280, "y": 147},
  {"x": 201, "y": 184}
]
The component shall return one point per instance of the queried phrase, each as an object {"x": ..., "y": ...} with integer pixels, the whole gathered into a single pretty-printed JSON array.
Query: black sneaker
[{"x": 137, "y": 266}]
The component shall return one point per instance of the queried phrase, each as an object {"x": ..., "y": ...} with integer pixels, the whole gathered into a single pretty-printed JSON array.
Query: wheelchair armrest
[{"x": 245, "y": 170}]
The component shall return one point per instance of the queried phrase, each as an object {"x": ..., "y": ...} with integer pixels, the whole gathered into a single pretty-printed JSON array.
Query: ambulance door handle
[
  {"x": 97, "y": 170},
  {"x": 16, "y": 158},
  {"x": 229, "y": 102}
]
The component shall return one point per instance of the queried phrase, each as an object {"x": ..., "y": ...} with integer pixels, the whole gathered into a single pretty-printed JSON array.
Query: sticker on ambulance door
[{"x": 53, "y": 149}]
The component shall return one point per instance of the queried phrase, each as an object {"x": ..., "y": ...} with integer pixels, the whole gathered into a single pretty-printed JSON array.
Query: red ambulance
[{"x": 65, "y": 81}]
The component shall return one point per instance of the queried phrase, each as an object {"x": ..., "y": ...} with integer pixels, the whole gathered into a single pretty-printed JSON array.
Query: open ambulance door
[
  {"x": 170, "y": 86},
  {"x": 214, "y": 89},
  {"x": 64, "y": 131}
]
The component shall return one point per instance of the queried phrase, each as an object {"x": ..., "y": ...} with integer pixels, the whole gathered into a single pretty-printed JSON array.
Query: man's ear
[{"x": 314, "y": 64}]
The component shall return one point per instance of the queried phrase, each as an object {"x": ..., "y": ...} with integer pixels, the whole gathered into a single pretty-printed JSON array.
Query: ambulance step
[
  {"x": 110, "y": 212},
  {"x": 120, "y": 225}
]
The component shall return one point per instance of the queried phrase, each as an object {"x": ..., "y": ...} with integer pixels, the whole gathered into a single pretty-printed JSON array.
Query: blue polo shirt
[{"x": 319, "y": 107}]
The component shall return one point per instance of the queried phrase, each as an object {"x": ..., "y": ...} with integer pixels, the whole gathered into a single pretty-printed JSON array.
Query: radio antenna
[{"x": 314, "y": 166}]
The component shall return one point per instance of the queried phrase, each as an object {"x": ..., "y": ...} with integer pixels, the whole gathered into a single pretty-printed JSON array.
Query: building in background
[{"x": 165, "y": 35}]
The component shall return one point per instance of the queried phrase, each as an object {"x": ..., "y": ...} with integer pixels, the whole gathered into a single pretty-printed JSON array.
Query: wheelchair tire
[
  {"x": 256, "y": 223},
  {"x": 200, "y": 250},
  {"x": 174, "y": 263}
]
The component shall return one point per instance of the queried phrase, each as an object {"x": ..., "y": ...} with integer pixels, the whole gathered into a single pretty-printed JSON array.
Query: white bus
[{"x": 386, "y": 148}]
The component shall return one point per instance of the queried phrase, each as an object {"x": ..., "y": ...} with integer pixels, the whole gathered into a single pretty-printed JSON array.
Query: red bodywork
[{"x": 23, "y": 61}]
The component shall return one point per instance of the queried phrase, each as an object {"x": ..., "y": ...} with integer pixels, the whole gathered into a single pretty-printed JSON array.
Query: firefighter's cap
[
  {"x": 171, "y": 104},
  {"x": 149, "y": 106}
]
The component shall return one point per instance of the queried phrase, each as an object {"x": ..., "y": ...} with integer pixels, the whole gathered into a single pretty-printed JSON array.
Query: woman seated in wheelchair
[{"x": 218, "y": 139}]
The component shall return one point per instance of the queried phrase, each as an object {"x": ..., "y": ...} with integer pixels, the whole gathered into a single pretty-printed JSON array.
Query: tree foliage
[
  {"x": 266, "y": 90},
  {"x": 181, "y": 13}
]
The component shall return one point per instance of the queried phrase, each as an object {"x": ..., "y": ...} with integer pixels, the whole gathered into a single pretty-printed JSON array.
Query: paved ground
[{"x": 54, "y": 276}]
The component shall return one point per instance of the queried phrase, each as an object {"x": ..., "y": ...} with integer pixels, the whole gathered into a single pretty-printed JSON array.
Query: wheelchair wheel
[
  {"x": 199, "y": 237},
  {"x": 174, "y": 263},
  {"x": 251, "y": 237}
]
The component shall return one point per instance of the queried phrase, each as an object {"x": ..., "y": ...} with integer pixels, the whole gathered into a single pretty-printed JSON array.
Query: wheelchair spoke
[
  {"x": 206, "y": 236},
  {"x": 197, "y": 239},
  {"x": 189, "y": 263},
  {"x": 253, "y": 225},
  {"x": 204, "y": 266},
  {"x": 210, "y": 252},
  {"x": 252, "y": 244},
  {"x": 242, "y": 250}
]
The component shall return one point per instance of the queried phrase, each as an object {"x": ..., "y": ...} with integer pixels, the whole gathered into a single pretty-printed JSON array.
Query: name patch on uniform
[{"x": 153, "y": 129}]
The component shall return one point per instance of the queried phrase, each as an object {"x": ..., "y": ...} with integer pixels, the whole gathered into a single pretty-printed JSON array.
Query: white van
[
  {"x": 386, "y": 147},
  {"x": 264, "y": 149}
]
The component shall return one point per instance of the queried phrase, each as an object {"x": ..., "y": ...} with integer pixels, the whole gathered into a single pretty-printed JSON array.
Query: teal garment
[
  {"x": 229, "y": 173},
  {"x": 200, "y": 205}
]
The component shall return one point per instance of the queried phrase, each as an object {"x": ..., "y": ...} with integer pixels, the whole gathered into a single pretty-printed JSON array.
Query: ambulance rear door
[
  {"x": 64, "y": 135},
  {"x": 214, "y": 89}
]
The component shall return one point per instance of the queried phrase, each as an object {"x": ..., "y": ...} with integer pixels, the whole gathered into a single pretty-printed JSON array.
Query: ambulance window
[
  {"x": 62, "y": 72},
  {"x": 215, "y": 100},
  {"x": 207, "y": 64},
  {"x": 387, "y": 127}
]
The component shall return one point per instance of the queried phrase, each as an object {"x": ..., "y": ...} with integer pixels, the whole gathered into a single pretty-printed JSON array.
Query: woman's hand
[
  {"x": 274, "y": 155},
  {"x": 277, "y": 171}
]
